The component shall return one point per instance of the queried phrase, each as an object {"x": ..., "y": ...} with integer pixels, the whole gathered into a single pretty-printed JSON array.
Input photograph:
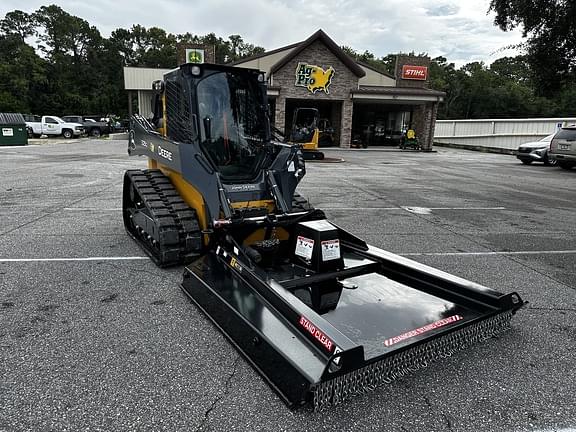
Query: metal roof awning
[
  {"x": 140, "y": 78},
  {"x": 401, "y": 95}
]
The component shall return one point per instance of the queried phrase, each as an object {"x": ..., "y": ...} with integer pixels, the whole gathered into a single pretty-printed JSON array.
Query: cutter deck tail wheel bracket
[{"x": 321, "y": 315}]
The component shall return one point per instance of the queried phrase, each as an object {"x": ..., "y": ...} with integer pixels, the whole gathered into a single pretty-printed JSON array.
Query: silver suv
[{"x": 563, "y": 147}]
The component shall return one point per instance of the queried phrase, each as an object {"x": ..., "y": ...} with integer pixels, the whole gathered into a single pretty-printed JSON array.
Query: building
[{"x": 361, "y": 104}]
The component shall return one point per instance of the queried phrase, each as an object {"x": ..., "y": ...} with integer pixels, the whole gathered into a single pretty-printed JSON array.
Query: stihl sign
[{"x": 414, "y": 72}]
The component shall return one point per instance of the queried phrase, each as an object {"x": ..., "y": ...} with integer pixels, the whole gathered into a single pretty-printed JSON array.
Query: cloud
[
  {"x": 462, "y": 31},
  {"x": 442, "y": 10}
]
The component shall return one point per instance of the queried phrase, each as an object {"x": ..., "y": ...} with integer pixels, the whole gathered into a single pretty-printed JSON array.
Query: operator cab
[{"x": 224, "y": 111}]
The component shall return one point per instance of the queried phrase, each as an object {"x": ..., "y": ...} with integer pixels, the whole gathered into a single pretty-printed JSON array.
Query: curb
[{"x": 477, "y": 148}]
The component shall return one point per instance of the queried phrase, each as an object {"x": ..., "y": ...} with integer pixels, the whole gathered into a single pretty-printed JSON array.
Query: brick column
[
  {"x": 425, "y": 117},
  {"x": 432, "y": 126},
  {"x": 422, "y": 123},
  {"x": 346, "y": 123}
]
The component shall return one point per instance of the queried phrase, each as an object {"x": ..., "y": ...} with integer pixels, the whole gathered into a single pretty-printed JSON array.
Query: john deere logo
[
  {"x": 313, "y": 77},
  {"x": 194, "y": 56}
]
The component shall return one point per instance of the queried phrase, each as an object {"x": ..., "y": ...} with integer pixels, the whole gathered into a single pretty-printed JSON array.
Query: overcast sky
[{"x": 461, "y": 31}]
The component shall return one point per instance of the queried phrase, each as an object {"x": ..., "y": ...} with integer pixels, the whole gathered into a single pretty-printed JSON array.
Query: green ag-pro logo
[
  {"x": 313, "y": 77},
  {"x": 194, "y": 55}
]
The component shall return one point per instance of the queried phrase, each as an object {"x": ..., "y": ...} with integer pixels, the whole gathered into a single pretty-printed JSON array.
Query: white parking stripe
[
  {"x": 407, "y": 208},
  {"x": 463, "y": 208},
  {"x": 362, "y": 208},
  {"x": 410, "y": 254},
  {"x": 133, "y": 258},
  {"x": 92, "y": 209},
  {"x": 412, "y": 209},
  {"x": 559, "y": 252}
]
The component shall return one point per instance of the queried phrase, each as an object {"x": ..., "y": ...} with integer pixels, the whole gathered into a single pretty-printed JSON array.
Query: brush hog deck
[{"x": 325, "y": 336}]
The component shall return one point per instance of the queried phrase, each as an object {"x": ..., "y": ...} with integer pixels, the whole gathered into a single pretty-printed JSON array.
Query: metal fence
[{"x": 496, "y": 134}]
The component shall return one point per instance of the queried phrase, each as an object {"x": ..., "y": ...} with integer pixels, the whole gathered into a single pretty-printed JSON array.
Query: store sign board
[
  {"x": 410, "y": 72},
  {"x": 314, "y": 78},
  {"x": 194, "y": 55}
]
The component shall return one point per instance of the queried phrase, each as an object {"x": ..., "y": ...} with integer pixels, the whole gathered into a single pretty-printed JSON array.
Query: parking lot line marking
[
  {"x": 132, "y": 258},
  {"x": 411, "y": 209},
  {"x": 467, "y": 208},
  {"x": 559, "y": 252},
  {"x": 407, "y": 208},
  {"x": 362, "y": 208},
  {"x": 92, "y": 209},
  {"x": 141, "y": 258}
]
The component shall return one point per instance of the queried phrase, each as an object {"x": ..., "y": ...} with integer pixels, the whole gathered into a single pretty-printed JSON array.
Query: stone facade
[
  {"x": 402, "y": 60},
  {"x": 209, "y": 52},
  {"x": 342, "y": 83},
  {"x": 424, "y": 122}
]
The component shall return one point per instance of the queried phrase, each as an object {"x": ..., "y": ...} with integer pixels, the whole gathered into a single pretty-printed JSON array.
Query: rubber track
[{"x": 175, "y": 224}]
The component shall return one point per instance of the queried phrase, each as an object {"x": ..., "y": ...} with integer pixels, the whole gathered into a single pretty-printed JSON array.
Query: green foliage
[
  {"x": 508, "y": 88},
  {"x": 383, "y": 64},
  {"x": 550, "y": 31},
  {"x": 22, "y": 75},
  {"x": 18, "y": 23},
  {"x": 75, "y": 70}
]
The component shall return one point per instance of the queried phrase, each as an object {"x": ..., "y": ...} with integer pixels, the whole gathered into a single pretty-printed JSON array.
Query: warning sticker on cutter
[
  {"x": 420, "y": 330},
  {"x": 304, "y": 247},
  {"x": 330, "y": 250}
]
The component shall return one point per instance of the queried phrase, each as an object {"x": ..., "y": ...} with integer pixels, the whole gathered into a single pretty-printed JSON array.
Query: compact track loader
[
  {"x": 306, "y": 133},
  {"x": 321, "y": 315}
]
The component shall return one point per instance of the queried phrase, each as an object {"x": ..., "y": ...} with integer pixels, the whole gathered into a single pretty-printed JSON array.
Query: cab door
[{"x": 50, "y": 126}]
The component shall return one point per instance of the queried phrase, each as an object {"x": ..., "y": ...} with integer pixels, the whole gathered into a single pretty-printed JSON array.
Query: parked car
[
  {"x": 563, "y": 147},
  {"x": 52, "y": 125},
  {"x": 536, "y": 151},
  {"x": 91, "y": 126}
]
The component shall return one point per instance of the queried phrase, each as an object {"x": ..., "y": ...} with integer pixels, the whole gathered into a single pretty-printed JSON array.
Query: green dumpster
[{"x": 13, "y": 130}]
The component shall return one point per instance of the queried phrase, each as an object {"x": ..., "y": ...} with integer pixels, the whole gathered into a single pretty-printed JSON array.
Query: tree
[
  {"x": 549, "y": 28},
  {"x": 384, "y": 64},
  {"x": 18, "y": 23},
  {"x": 445, "y": 77},
  {"x": 513, "y": 68},
  {"x": 22, "y": 75},
  {"x": 64, "y": 34}
]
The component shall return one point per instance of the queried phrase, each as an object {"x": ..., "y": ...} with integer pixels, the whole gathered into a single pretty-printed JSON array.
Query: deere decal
[
  {"x": 194, "y": 55},
  {"x": 313, "y": 77}
]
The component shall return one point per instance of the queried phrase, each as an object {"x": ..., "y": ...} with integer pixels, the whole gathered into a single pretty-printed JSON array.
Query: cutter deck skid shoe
[{"x": 321, "y": 315}]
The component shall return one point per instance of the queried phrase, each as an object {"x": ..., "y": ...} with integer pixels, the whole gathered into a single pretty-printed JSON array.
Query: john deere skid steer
[
  {"x": 321, "y": 315},
  {"x": 306, "y": 133}
]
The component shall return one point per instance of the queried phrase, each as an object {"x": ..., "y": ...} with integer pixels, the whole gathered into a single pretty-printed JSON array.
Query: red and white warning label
[
  {"x": 317, "y": 333},
  {"x": 304, "y": 247},
  {"x": 330, "y": 250},
  {"x": 423, "y": 329}
]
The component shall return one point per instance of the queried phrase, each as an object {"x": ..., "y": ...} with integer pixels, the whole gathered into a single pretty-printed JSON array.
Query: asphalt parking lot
[{"x": 94, "y": 337}]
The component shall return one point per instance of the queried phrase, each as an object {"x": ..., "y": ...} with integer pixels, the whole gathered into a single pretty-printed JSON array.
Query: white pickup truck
[{"x": 52, "y": 125}]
